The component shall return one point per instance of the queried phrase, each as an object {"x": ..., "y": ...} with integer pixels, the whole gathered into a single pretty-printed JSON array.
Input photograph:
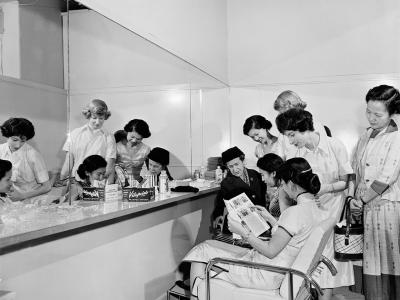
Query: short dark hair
[
  {"x": 140, "y": 126},
  {"x": 120, "y": 135},
  {"x": 5, "y": 166},
  {"x": 270, "y": 162},
  {"x": 256, "y": 122},
  {"x": 90, "y": 164},
  {"x": 386, "y": 94},
  {"x": 295, "y": 119},
  {"x": 298, "y": 171},
  {"x": 18, "y": 127}
]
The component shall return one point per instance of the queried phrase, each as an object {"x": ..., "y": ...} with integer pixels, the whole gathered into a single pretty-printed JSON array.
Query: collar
[
  {"x": 392, "y": 127},
  {"x": 93, "y": 131},
  {"x": 304, "y": 198},
  {"x": 322, "y": 145}
]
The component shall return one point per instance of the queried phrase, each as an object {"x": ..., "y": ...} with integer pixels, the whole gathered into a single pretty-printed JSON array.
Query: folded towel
[{"x": 185, "y": 189}]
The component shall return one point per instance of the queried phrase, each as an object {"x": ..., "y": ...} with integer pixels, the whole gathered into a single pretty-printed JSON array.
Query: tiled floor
[{"x": 345, "y": 294}]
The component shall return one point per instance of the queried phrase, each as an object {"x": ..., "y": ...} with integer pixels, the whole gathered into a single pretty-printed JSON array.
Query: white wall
[
  {"x": 45, "y": 107},
  {"x": 330, "y": 53},
  {"x": 193, "y": 30}
]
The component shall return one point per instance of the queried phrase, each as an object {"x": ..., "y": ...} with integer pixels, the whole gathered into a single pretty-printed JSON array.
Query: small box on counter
[
  {"x": 111, "y": 193},
  {"x": 93, "y": 194},
  {"x": 138, "y": 194}
]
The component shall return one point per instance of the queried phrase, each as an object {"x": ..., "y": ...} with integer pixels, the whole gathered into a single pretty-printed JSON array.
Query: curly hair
[
  {"x": 96, "y": 107},
  {"x": 295, "y": 119},
  {"x": 140, "y": 126},
  {"x": 256, "y": 122},
  {"x": 289, "y": 99},
  {"x": 18, "y": 127}
]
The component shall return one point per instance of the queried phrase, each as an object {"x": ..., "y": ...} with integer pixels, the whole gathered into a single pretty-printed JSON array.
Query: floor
[{"x": 345, "y": 294}]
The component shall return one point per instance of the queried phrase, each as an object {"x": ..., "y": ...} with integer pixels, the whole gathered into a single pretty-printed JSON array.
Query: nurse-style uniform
[
  {"x": 84, "y": 141},
  {"x": 29, "y": 170},
  {"x": 329, "y": 160}
]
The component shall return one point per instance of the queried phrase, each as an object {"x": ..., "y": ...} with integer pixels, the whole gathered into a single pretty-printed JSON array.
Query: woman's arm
[
  {"x": 110, "y": 170},
  {"x": 42, "y": 189}
]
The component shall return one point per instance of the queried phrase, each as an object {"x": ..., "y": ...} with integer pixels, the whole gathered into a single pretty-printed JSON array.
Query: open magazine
[{"x": 241, "y": 209}]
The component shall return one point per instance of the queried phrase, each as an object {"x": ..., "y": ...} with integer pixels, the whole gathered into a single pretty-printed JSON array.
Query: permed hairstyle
[
  {"x": 270, "y": 162},
  {"x": 90, "y": 164},
  {"x": 5, "y": 166},
  {"x": 295, "y": 119},
  {"x": 287, "y": 100},
  {"x": 256, "y": 122},
  {"x": 120, "y": 135},
  {"x": 386, "y": 94},
  {"x": 96, "y": 107},
  {"x": 298, "y": 171},
  {"x": 18, "y": 127},
  {"x": 140, "y": 126}
]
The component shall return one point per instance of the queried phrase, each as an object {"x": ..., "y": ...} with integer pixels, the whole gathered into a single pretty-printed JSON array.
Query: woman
[
  {"x": 132, "y": 155},
  {"x": 90, "y": 139},
  {"x": 91, "y": 173},
  {"x": 285, "y": 101},
  {"x": 257, "y": 128},
  {"x": 288, "y": 237},
  {"x": 239, "y": 177},
  {"x": 157, "y": 161},
  {"x": 268, "y": 166},
  {"x": 328, "y": 158},
  {"x": 5, "y": 182},
  {"x": 377, "y": 165},
  {"x": 30, "y": 177}
]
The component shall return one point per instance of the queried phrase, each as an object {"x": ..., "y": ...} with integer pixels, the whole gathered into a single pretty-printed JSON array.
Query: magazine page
[{"x": 243, "y": 210}]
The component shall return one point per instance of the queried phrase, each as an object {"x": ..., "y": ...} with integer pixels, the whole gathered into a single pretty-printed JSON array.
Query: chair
[{"x": 298, "y": 280}]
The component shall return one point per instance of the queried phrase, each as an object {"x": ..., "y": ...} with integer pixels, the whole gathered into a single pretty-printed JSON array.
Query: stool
[{"x": 177, "y": 293}]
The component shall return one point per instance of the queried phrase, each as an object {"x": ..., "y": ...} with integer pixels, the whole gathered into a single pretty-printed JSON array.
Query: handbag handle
[{"x": 347, "y": 214}]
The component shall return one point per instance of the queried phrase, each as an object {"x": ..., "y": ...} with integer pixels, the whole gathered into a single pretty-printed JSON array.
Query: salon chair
[{"x": 299, "y": 279}]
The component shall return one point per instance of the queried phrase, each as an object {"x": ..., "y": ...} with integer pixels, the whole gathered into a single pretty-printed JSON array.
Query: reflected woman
[
  {"x": 132, "y": 155},
  {"x": 5, "y": 182},
  {"x": 158, "y": 160},
  {"x": 29, "y": 176},
  {"x": 90, "y": 139}
]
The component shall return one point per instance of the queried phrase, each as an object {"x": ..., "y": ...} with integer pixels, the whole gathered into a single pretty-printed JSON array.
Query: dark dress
[{"x": 256, "y": 191}]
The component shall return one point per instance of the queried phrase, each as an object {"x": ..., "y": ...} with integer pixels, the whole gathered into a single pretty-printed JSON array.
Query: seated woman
[
  {"x": 132, "y": 154},
  {"x": 91, "y": 173},
  {"x": 5, "y": 181},
  {"x": 257, "y": 128},
  {"x": 269, "y": 165},
  {"x": 29, "y": 176},
  {"x": 238, "y": 177},
  {"x": 288, "y": 237},
  {"x": 158, "y": 160}
]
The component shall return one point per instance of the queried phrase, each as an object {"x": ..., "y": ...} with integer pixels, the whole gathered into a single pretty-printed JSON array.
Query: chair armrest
[{"x": 265, "y": 267}]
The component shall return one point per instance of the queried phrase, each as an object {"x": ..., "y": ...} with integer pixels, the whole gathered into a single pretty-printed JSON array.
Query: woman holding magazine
[{"x": 288, "y": 235}]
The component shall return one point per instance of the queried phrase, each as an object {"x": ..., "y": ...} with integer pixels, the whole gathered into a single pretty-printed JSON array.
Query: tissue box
[{"x": 138, "y": 194}]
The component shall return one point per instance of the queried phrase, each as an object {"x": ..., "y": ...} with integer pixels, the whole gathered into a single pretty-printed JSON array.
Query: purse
[{"x": 348, "y": 239}]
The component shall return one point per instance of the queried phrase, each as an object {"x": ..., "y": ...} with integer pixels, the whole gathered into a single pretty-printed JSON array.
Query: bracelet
[
  {"x": 349, "y": 198},
  {"x": 332, "y": 187}
]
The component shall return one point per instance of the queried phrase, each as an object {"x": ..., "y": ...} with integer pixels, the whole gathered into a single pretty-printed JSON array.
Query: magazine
[{"x": 241, "y": 209}]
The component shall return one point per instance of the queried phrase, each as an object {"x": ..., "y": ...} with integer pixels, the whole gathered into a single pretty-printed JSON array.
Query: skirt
[{"x": 381, "y": 263}]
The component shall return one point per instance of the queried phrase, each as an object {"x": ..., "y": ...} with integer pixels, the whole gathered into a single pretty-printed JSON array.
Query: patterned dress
[{"x": 377, "y": 165}]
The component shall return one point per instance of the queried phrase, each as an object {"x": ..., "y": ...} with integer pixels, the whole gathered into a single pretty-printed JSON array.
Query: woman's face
[
  {"x": 154, "y": 167},
  {"x": 97, "y": 174},
  {"x": 16, "y": 142},
  {"x": 5, "y": 182},
  {"x": 96, "y": 121},
  {"x": 268, "y": 178},
  {"x": 236, "y": 166},
  {"x": 297, "y": 138},
  {"x": 377, "y": 114},
  {"x": 134, "y": 138},
  {"x": 258, "y": 135}
]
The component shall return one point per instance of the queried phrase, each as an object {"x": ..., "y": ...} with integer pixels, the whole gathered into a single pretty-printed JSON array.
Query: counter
[{"x": 120, "y": 250}]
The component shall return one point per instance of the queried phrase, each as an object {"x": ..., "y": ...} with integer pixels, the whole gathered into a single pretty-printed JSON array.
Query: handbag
[{"x": 348, "y": 239}]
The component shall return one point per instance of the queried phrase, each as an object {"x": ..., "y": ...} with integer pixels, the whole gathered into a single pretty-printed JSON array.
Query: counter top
[{"x": 26, "y": 224}]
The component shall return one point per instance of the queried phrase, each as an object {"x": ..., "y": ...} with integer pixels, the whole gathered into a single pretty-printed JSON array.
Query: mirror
[{"x": 140, "y": 80}]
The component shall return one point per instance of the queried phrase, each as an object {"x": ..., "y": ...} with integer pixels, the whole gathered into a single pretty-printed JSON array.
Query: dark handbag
[{"x": 348, "y": 240}]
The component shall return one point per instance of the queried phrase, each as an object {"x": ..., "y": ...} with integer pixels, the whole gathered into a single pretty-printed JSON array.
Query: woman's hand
[
  {"x": 266, "y": 215},
  {"x": 236, "y": 227},
  {"x": 16, "y": 196},
  {"x": 356, "y": 204}
]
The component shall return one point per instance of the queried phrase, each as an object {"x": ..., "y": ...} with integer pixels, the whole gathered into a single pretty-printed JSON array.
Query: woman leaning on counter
[
  {"x": 90, "y": 139},
  {"x": 377, "y": 190},
  {"x": 29, "y": 174}
]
